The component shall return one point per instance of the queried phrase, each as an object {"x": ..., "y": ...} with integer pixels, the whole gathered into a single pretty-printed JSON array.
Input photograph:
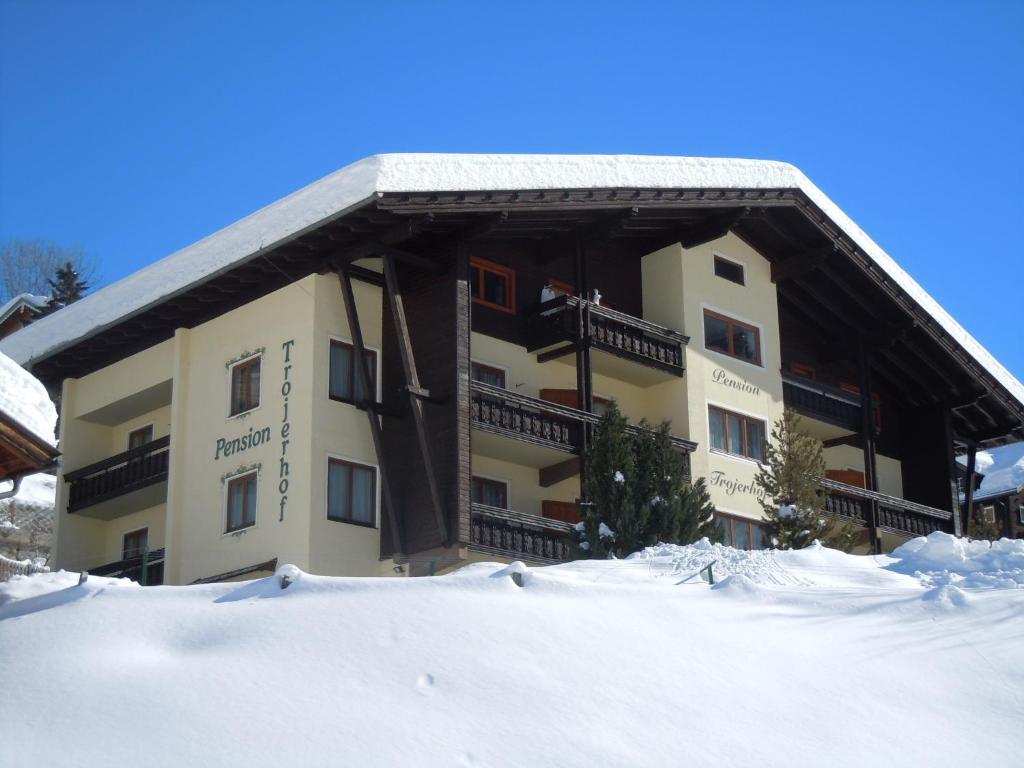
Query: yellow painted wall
[
  {"x": 525, "y": 494},
  {"x": 890, "y": 471}
]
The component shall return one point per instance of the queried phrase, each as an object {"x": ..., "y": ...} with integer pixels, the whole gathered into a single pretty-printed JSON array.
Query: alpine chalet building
[{"x": 397, "y": 369}]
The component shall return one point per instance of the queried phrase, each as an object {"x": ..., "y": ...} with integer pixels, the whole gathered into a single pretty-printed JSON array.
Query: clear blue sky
[{"x": 133, "y": 129}]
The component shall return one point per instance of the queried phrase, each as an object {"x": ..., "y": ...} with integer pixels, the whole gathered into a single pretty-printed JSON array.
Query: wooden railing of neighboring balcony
[
  {"x": 118, "y": 475},
  {"x": 894, "y": 514},
  {"x": 507, "y": 533},
  {"x": 508, "y": 413},
  {"x": 612, "y": 331},
  {"x": 147, "y": 568},
  {"x": 820, "y": 401}
]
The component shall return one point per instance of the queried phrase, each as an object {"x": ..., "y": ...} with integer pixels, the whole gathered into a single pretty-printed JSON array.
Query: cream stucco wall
[
  {"x": 713, "y": 378},
  {"x": 890, "y": 472}
]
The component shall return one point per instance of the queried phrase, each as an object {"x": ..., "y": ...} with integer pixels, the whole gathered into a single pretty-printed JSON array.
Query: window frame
[
  {"x": 719, "y": 258},
  {"x": 494, "y": 481},
  {"x": 374, "y": 497},
  {"x": 228, "y": 482},
  {"x": 744, "y": 418},
  {"x": 151, "y": 426},
  {"x": 133, "y": 532},
  {"x": 731, "y": 321},
  {"x": 495, "y": 368},
  {"x": 498, "y": 269},
  {"x": 803, "y": 369},
  {"x": 245, "y": 362},
  {"x": 375, "y": 372},
  {"x": 751, "y": 524}
]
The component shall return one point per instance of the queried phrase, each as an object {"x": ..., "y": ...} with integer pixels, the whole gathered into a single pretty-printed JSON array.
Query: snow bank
[
  {"x": 355, "y": 184},
  {"x": 814, "y": 656},
  {"x": 945, "y": 559},
  {"x": 24, "y": 399}
]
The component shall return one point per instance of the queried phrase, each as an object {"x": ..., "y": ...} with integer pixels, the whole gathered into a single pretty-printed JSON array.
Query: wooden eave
[
  {"x": 21, "y": 450},
  {"x": 818, "y": 265}
]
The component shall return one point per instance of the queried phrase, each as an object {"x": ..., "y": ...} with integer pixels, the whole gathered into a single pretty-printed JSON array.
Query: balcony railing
[
  {"x": 894, "y": 514},
  {"x": 541, "y": 422},
  {"x": 118, "y": 475},
  {"x": 506, "y": 533},
  {"x": 822, "y": 402},
  {"x": 559, "y": 320},
  {"x": 146, "y": 568}
]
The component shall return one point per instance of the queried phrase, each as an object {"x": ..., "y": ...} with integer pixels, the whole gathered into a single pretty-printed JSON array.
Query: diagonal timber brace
[
  {"x": 397, "y": 543},
  {"x": 412, "y": 386}
]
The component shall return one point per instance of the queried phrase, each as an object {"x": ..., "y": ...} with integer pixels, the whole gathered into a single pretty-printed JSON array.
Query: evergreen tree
[
  {"x": 66, "y": 287},
  {"x": 637, "y": 487},
  {"x": 980, "y": 528},
  {"x": 794, "y": 509}
]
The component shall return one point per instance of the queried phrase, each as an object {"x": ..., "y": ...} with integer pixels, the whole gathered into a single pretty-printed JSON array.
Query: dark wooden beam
[
  {"x": 972, "y": 457},
  {"x": 797, "y": 266},
  {"x": 412, "y": 259},
  {"x": 412, "y": 382},
  {"x": 853, "y": 439},
  {"x": 556, "y": 473},
  {"x": 554, "y": 354},
  {"x": 711, "y": 229},
  {"x": 363, "y": 369}
]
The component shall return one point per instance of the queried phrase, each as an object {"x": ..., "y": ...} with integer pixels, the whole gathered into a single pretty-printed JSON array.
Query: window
[
  {"x": 800, "y": 369},
  {"x": 487, "y": 374},
  {"x": 493, "y": 493},
  {"x": 134, "y": 543},
  {"x": 729, "y": 270},
  {"x": 732, "y": 337},
  {"x": 493, "y": 285},
  {"x": 988, "y": 513},
  {"x": 245, "y": 385},
  {"x": 740, "y": 533},
  {"x": 351, "y": 492},
  {"x": 736, "y": 434},
  {"x": 241, "y": 512},
  {"x": 139, "y": 437},
  {"x": 346, "y": 381}
]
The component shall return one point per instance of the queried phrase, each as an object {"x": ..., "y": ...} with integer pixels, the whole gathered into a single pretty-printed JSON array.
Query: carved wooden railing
[
  {"x": 147, "y": 568},
  {"x": 558, "y": 320},
  {"x": 507, "y": 533},
  {"x": 894, "y": 514},
  {"x": 542, "y": 422},
  {"x": 821, "y": 402},
  {"x": 118, "y": 475},
  {"x": 504, "y": 412}
]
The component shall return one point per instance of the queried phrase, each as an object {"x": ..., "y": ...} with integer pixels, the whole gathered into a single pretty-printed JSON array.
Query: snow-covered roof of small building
[
  {"x": 360, "y": 182},
  {"x": 30, "y": 300},
  {"x": 24, "y": 399}
]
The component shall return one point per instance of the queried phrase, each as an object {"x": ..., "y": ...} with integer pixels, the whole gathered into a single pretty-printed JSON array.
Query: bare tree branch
[{"x": 26, "y": 265}]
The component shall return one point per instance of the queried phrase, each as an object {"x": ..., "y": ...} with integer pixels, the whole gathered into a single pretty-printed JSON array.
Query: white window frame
[
  {"x": 732, "y": 260},
  {"x": 224, "y": 502},
  {"x": 259, "y": 395}
]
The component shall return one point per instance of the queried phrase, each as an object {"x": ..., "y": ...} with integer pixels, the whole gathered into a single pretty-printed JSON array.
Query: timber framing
[{"x": 812, "y": 257}]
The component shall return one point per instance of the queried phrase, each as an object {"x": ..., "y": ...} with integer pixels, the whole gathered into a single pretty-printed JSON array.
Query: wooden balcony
[
  {"x": 895, "y": 515},
  {"x": 121, "y": 484},
  {"x": 518, "y": 536},
  {"x": 550, "y": 429},
  {"x": 614, "y": 337},
  {"x": 147, "y": 568},
  {"x": 822, "y": 402}
]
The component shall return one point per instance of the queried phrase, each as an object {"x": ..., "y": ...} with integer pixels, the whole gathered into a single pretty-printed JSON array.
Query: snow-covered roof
[
  {"x": 24, "y": 399},
  {"x": 30, "y": 300},
  {"x": 358, "y": 183}
]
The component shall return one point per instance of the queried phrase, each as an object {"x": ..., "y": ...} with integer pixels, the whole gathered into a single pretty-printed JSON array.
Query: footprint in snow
[{"x": 425, "y": 684}]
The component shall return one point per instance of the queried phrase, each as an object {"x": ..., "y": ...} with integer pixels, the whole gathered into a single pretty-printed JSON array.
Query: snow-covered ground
[{"x": 802, "y": 658}]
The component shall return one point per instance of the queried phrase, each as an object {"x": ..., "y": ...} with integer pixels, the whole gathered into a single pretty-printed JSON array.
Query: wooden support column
[
  {"x": 868, "y": 436},
  {"x": 584, "y": 373},
  {"x": 363, "y": 369},
  {"x": 416, "y": 393},
  {"x": 954, "y": 491},
  {"x": 972, "y": 457}
]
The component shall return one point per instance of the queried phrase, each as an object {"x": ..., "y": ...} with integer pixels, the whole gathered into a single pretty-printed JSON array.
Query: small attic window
[{"x": 730, "y": 270}]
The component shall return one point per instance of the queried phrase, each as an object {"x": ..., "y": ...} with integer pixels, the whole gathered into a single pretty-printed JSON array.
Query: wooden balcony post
[
  {"x": 959, "y": 529},
  {"x": 868, "y": 434},
  {"x": 584, "y": 373},
  {"x": 972, "y": 457}
]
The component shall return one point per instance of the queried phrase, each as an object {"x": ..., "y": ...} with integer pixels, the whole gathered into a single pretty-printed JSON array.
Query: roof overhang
[{"x": 396, "y": 197}]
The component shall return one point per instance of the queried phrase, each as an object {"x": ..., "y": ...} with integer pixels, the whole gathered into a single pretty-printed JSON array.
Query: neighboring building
[
  {"x": 27, "y": 420},
  {"x": 20, "y": 311},
  {"x": 1005, "y": 508},
  {"x": 217, "y": 412}
]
